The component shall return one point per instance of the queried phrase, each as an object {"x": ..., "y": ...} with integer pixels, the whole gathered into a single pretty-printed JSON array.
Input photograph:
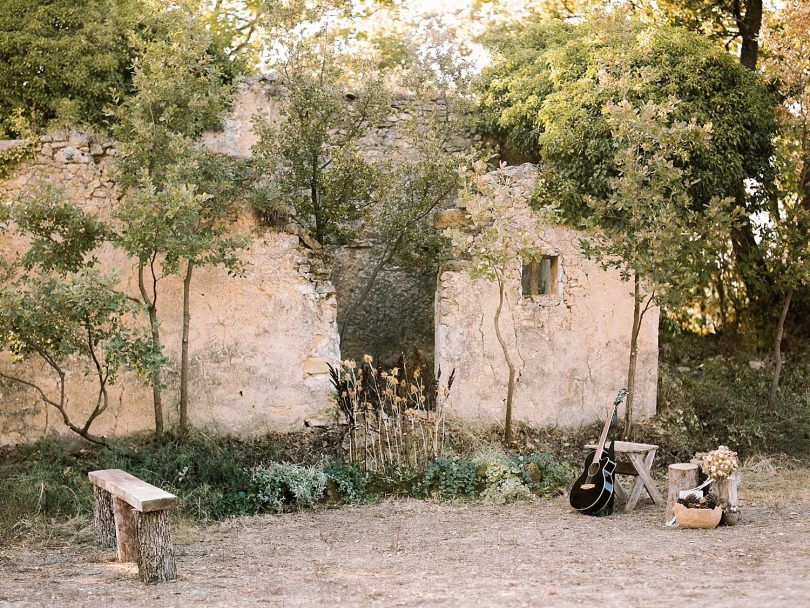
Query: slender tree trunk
[
  {"x": 510, "y": 388},
  {"x": 777, "y": 347},
  {"x": 151, "y": 309},
  {"x": 721, "y": 300},
  {"x": 631, "y": 370},
  {"x": 314, "y": 195},
  {"x": 184, "y": 348},
  {"x": 748, "y": 255}
]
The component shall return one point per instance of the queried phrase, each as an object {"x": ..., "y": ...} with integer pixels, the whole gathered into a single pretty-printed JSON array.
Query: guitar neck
[{"x": 606, "y": 429}]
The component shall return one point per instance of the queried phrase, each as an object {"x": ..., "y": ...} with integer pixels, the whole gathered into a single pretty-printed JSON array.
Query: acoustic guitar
[{"x": 592, "y": 492}]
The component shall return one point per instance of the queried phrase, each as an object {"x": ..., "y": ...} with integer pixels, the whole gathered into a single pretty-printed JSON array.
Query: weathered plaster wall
[
  {"x": 571, "y": 348},
  {"x": 259, "y": 343}
]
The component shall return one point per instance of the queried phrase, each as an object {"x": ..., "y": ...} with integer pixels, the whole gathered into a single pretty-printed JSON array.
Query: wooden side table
[{"x": 638, "y": 461}]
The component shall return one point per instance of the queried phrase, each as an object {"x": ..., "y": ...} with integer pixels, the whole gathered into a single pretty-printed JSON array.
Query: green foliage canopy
[
  {"x": 64, "y": 60},
  {"x": 546, "y": 89},
  {"x": 313, "y": 153}
]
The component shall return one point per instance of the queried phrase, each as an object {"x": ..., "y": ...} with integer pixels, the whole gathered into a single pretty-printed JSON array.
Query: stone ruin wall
[
  {"x": 571, "y": 348},
  {"x": 263, "y": 95},
  {"x": 259, "y": 343},
  {"x": 398, "y": 314}
]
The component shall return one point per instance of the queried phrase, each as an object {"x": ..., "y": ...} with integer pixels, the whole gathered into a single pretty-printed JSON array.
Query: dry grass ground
[{"x": 412, "y": 553}]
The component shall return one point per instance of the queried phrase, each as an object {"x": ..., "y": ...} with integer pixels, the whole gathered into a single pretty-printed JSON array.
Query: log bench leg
[
  {"x": 103, "y": 519},
  {"x": 125, "y": 521},
  {"x": 156, "y": 562}
]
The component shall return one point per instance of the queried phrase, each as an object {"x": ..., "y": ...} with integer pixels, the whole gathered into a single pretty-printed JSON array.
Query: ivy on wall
[{"x": 13, "y": 156}]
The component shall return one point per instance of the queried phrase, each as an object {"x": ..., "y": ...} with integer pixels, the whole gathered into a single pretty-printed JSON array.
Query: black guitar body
[
  {"x": 592, "y": 492},
  {"x": 594, "y": 496}
]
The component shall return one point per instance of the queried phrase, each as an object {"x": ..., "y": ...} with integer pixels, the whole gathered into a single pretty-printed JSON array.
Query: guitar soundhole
[{"x": 593, "y": 469}]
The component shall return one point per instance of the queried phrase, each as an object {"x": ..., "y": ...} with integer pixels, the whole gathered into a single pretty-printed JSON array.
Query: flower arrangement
[{"x": 720, "y": 463}]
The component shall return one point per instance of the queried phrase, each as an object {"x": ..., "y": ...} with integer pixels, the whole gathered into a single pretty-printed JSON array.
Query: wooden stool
[{"x": 639, "y": 459}]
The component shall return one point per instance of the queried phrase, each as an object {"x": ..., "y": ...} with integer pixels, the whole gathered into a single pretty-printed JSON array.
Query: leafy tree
[
  {"x": 736, "y": 24},
  {"x": 176, "y": 216},
  {"x": 313, "y": 152},
  {"x": 544, "y": 97},
  {"x": 500, "y": 238},
  {"x": 787, "y": 232},
  {"x": 67, "y": 63},
  {"x": 55, "y": 307},
  {"x": 64, "y": 60},
  {"x": 645, "y": 225},
  {"x": 422, "y": 177}
]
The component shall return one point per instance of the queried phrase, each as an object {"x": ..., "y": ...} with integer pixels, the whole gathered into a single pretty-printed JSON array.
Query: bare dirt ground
[{"x": 414, "y": 553}]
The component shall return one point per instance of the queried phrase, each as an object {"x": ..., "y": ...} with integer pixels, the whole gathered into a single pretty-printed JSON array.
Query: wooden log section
[
  {"x": 726, "y": 490},
  {"x": 103, "y": 520},
  {"x": 125, "y": 522},
  {"x": 680, "y": 476},
  {"x": 156, "y": 562}
]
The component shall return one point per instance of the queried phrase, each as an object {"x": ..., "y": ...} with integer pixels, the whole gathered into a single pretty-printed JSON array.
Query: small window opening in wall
[{"x": 540, "y": 276}]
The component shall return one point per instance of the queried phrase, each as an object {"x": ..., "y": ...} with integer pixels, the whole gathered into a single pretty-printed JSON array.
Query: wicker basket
[{"x": 697, "y": 518}]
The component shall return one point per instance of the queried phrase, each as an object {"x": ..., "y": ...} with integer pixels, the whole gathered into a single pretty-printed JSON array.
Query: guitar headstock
[{"x": 620, "y": 397}]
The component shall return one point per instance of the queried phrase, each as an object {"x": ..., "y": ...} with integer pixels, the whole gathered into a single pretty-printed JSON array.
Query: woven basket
[{"x": 697, "y": 518}]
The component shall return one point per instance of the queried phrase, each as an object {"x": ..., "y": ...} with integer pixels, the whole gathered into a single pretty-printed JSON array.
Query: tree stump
[
  {"x": 156, "y": 562},
  {"x": 726, "y": 492},
  {"x": 125, "y": 523},
  {"x": 680, "y": 476},
  {"x": 103, "y": 519}
]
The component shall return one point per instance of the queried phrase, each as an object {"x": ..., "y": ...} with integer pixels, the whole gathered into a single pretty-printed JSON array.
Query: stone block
[
  {"x": 78, "y": 140},
  {"x": 316, "y": 365},
  {"x": 452, "y": 218},
  {"x": 69, "y": 154}
]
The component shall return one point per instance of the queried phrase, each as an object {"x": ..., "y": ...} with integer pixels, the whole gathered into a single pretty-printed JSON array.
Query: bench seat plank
[
  {"x": 627, "y": 447},
  {"x": 142, "y": 496}
]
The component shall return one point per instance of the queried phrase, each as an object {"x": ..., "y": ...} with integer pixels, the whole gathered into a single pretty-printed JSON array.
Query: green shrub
[
  {"x": 543, "y": 473},
  {"x": 721, "y": 399},
  {"x": 217, "y": 477},
  {"x": 280, "y": 486},
  {"x": 503, "y": 478},
  {"x": 345, "y": 482},
  {"x": 450, "y": 479}
]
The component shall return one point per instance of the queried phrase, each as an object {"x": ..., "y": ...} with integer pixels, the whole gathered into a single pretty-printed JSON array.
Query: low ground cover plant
[{"x": 223, "y": 476}]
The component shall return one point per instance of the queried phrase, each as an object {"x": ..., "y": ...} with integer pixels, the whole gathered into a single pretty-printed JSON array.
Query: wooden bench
[
  {"x": 132, "y": 516},
  {"x": 638, "y": 461}
]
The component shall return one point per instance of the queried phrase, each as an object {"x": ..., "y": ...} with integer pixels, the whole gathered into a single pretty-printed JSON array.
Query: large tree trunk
[
  {"x": 777, "y": 347},
  {"x": 510, "y": 390},
  {"x": 184, "y": 348},
  {"x": 749, "y": 25},
  {"x": 126, "y": 519},
  {"x": 680, "y": 476},
  {"x": 103, "y": 518}
]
